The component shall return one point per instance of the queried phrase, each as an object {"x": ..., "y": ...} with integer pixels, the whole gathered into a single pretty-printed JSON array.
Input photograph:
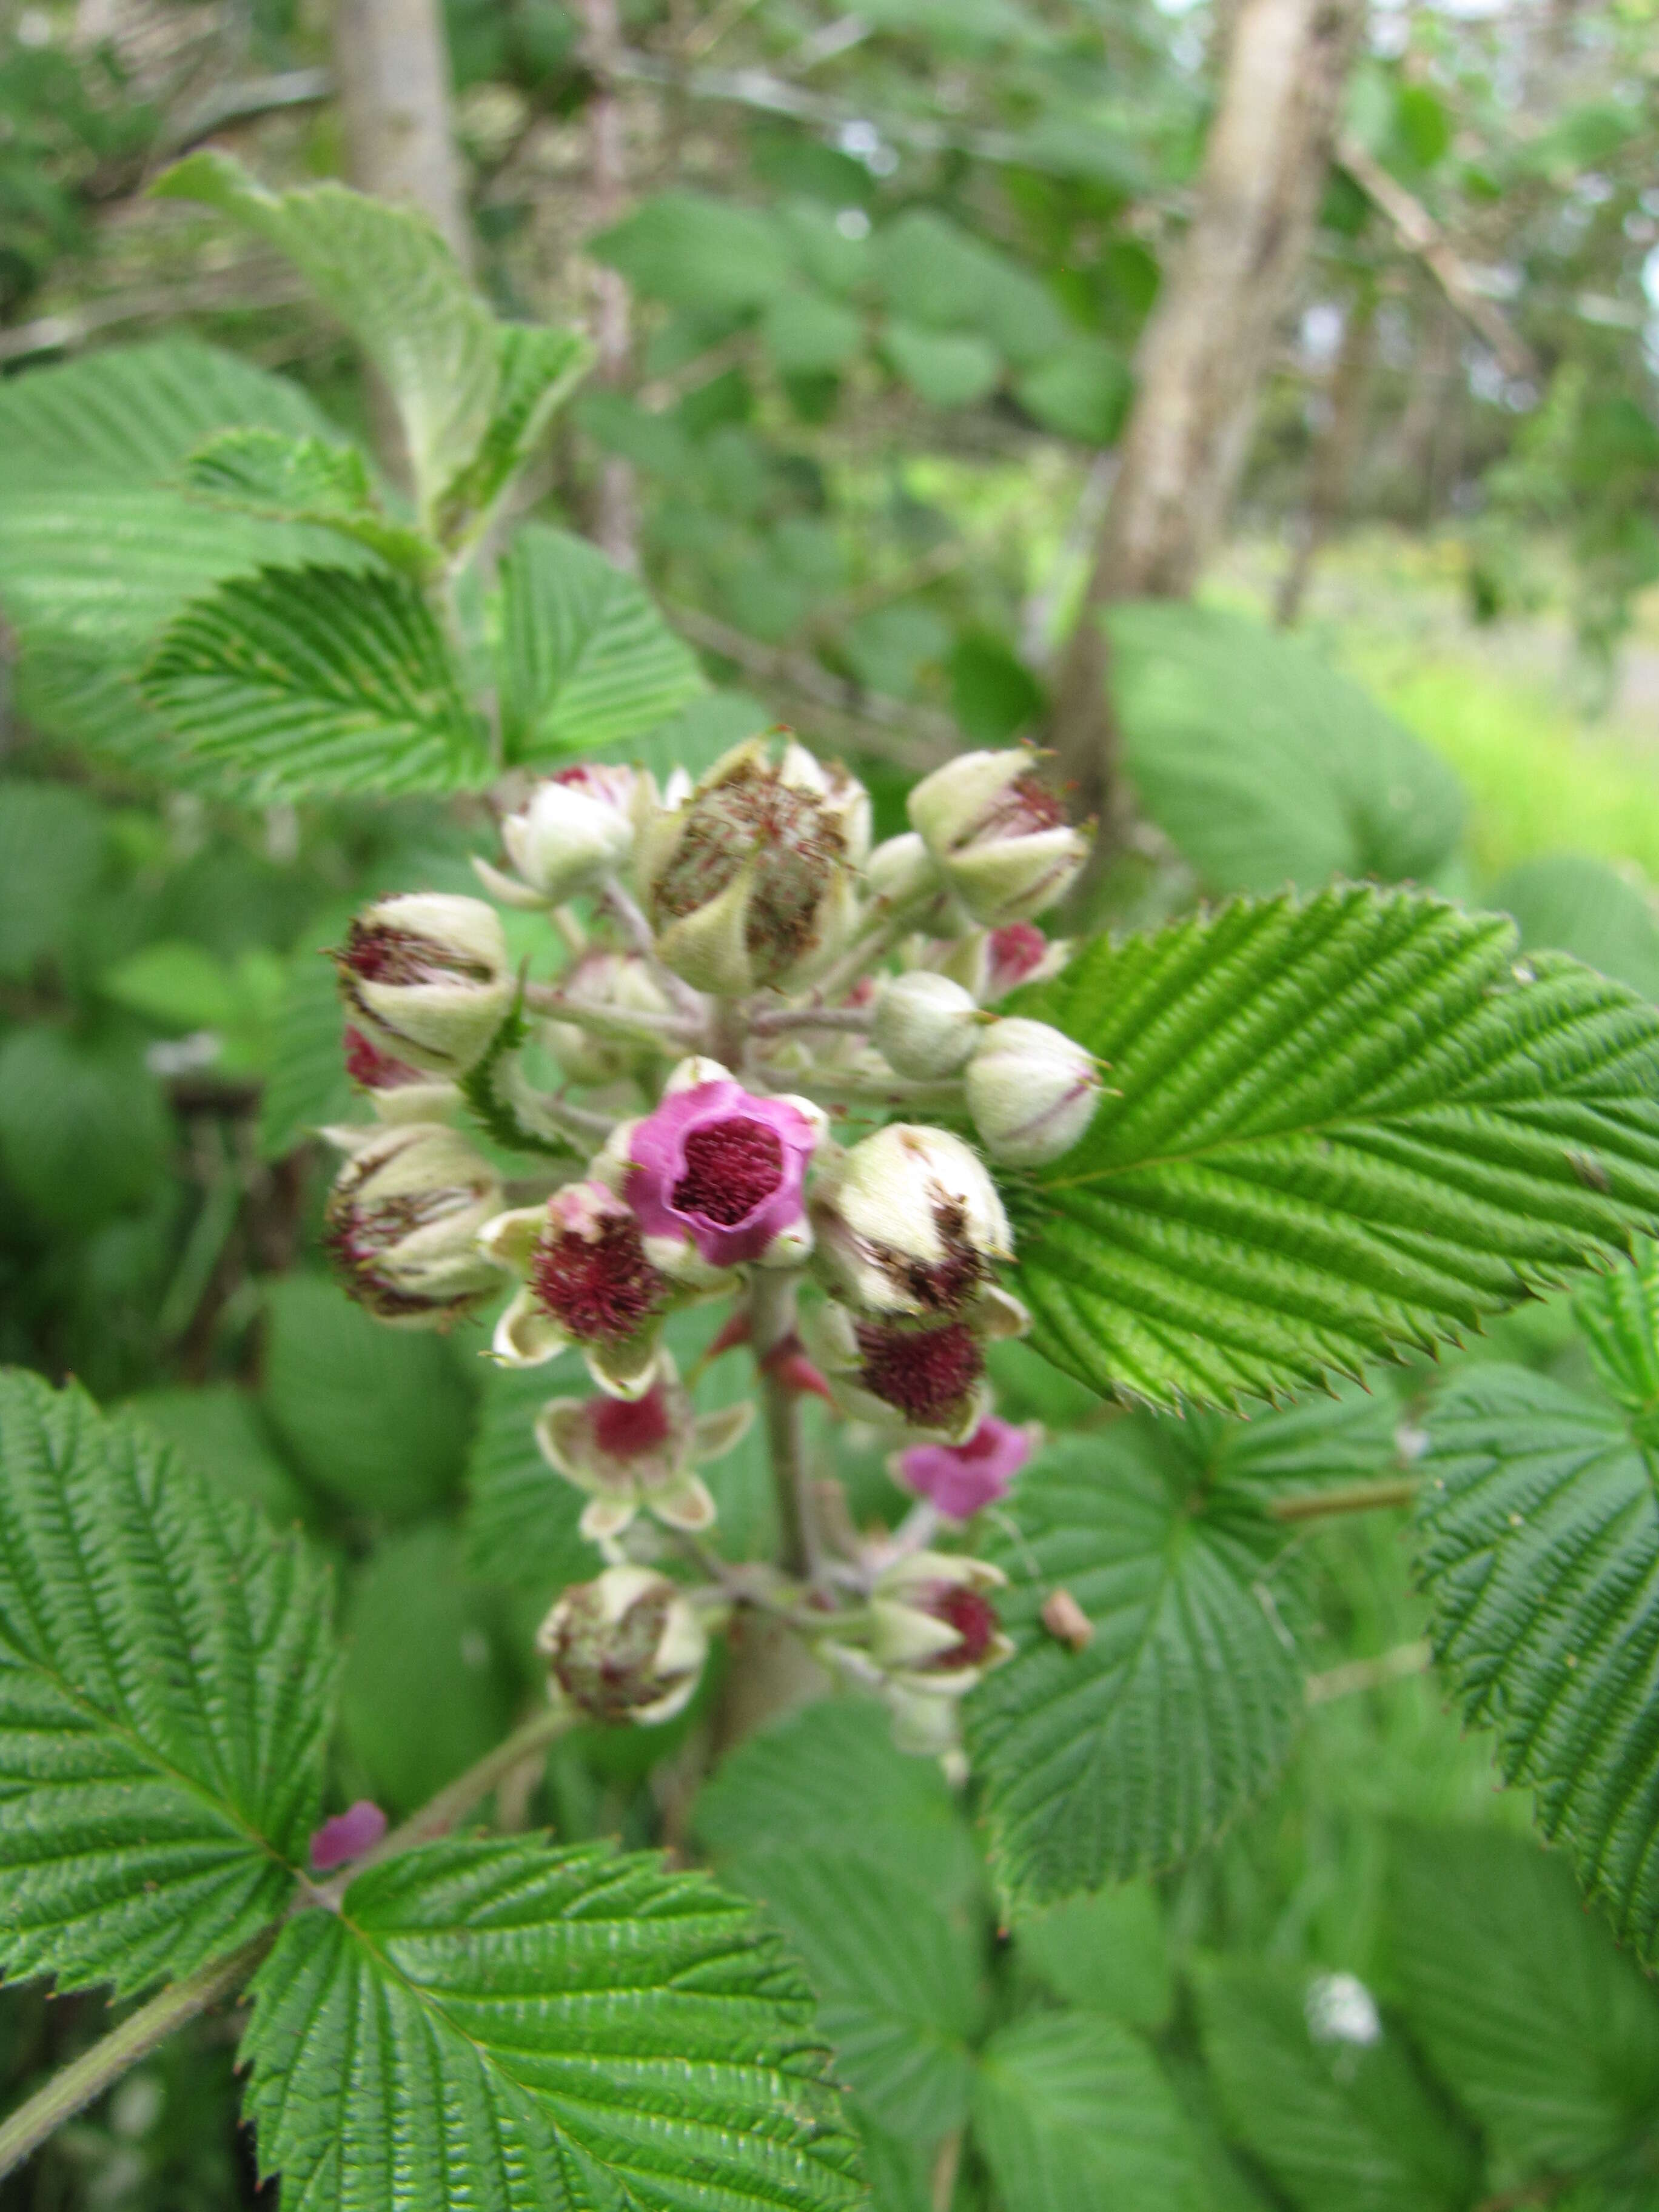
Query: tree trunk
[
  {"x": 616, "y": 518},
  {"x": 1335, "y": 451},
  {"x": 1206, "y": 350},
  {"x": 392, "y": 71}
]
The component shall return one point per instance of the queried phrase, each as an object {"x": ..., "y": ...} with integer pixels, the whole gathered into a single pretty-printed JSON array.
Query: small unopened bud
[
  {"x": 1020, "y": 953},
  {"x": 901, "y": 872},
  {"x": 933, "y": 1620},
  {"x": 402, "y": 1224},
  {"x": 925, "y": 1025},
  {"x": 908, "y": 1222},
  {"x": 425, "y": 979},
  {"x": 1066, "y": 1622},
  {"x": 628, "y": 1646},
  {"x": 751, "y": 882},
  {"x": 1000, "y": 833},
  {"x": 1032, "y": 1092},
  {"x": 576, "y": 827},
  {"x": 398, "y": 1091}
]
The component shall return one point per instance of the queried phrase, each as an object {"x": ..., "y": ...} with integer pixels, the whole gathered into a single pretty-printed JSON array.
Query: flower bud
[
  {"x": 961, "y": 1480},
  {"x": 901, "y": 872},
  {"x": 576, "y": 827},
  {"x": 924, "y": 1382},
  {"x": 628, "y": 1646},
  {"x": 639, "y": 1453},
  {"x": 750, "y": 883},
  {"x": 908, "y": 1222},
  {"x": 925, "y": 1025},
  {"x": 588, "y": 1281},
  {"x": 425, "y": 979},
  {"x": 608, "y": 983},
  {"x": 991, "y": 963},
  {"x": 716, "y": 1175},
  {"x": 1031, "y": 1092},
  {"x": 999, "y": 833},
  {"x": 397, "y": 1091},
  {"x": 931, "y": 1618},
  {"x": 402, "y": 1224}
]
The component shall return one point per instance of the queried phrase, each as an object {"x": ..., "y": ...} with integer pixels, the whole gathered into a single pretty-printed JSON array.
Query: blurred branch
[
  {"x": 1346, "y": 1497},
  {"x": 204, "y": 296},
  {"x": 1419, "y": 231},
  {"x": 617, "y": 523},
  {"x": 1396, "y": 1666},
  {"x": 245, "y": 102}
]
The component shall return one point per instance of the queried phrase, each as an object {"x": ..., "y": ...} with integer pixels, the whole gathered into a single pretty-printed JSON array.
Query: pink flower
[
  {"x": 721, "y": 1169},
  {"x": 961, "y": 1478},
  {"x": 348, "y": 1835},
  {"x": 1017, "y": 949}
]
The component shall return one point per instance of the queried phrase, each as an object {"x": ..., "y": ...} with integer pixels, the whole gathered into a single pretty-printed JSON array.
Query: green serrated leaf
[
  {"x": 587, "y": 659},
  {"x": 1568, "y": 902},
  {"x": 540, "y": 367},
  {"x": 1547, "y": 2035},
  {"x": 305, "y": 480},
  {"x": 165, "y": 1681},
  {"x": 1618, "y": 1316},
  {"x": 506, "y": 2028},
  {"x": 1538, "y": 1543},
  {"x": 1334, "y": 1128},
  {"x": 386, "y": 276},
  {"x": 1072, "y": 2114},
  {"x": 298, "y": 682},
  {"x": 1124, "y": 1757},
  {"x": 1341, "y": 2120},
  {"x": 1264, "y": 764}
]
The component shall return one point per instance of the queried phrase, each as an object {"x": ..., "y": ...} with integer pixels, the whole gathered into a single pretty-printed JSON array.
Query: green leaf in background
[
  {"x": 587, "y": 659},
  {"x": 1549, "y": 2036},
  {"x": 934, "y": 274},
  {"x": 304, "y": 480},
  {"x": 1105, "y": 1951},
  {"x": 423, "y": 1692},
  {"x": 1333, "y": 1128},
  {"x": 298, "y": 682},
  {"x": 165, "y": 1673},
  {"x": 218, "y": 1436},
  {"x": 1072, "y": 2115},
  {"x": 947, "y": 368},
  {"x": 377, "y": 1417},
  {"x": 386, "y": 274},
  {"x": 512, "y": 2027},
  {"x": 180, "y": 987},
  {"x": 1568, "y": 902},
  {"x": 84, "y": 1129},
  {"x": 696, "y": 737},
  {"x": 307, "y": 1086},
  {"x": 1318, "y": 2086},
  {"x": 1264, "y": 765},
  {"x": 521, "y": 1516},
  {"x": 1128, "y": 1755},
  {"x": 52, "y": 856},
  {"x": 1538, "y": 1544},
  {"x": 808, "y": 335},
  {"x": 1617, "y": 1316},
  {"x": 695, "y": 252},
  {"x": 1082, "y": 392}
]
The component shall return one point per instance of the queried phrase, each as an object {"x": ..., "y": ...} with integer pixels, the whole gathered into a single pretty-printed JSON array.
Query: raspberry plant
[{"x": 732, "y": 1133}]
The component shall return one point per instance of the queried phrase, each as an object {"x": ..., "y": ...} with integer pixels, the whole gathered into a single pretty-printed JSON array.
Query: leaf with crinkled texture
[
  {"x": 1618, "y": 1316},
  {"x": 1334, "y": 1129},
  {"x": 540, "y": 366},
  {"x": 166, "y": 1673},
  {"x": 1128, "y": 1755},
  {"x": 506, "y": 2028},
  {"x": 386, "y": 274},
  {"x": 587, "y": 659},
  {"x": 301, "y": 682},
  {"x": 1538, "y": 1544},
  {"x": 305, "y": 480}
]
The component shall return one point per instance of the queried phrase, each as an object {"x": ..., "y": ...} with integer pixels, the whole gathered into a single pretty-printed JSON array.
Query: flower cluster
[{"x": 745, "y": 993}]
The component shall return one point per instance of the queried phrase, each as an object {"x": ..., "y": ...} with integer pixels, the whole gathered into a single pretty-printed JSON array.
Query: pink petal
[
  {"x": 348, "y": 1835},
  {"x": 962, "y": 1479}
]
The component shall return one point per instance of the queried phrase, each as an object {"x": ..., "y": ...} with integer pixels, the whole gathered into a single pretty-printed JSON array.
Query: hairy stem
[
  {"x": 771, "y": 1020},
  {"x": 772, "y": 1310},
  {"x": 624, "y": 911},
  {"x": 637, "y": 1026},
  {"x": 1351, "y": 1498},
  {"x": 90, "y": 2074},
  {"x": 457, "y": 1799}
]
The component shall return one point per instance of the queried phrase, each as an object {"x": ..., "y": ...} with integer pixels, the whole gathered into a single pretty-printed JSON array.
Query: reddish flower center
[
  {"x": 625, "y": 1426},
  {"x": 984, "y": 1444},
  {"x": 376, "y": 954},
  {"x": 730, "y": 1168},
  {"x": 1016, "y": 950},
  {"x": 375, "y": 1070},
  {"x": 604, "y": 1288},
  {"x": 1021, "y": 809},
  {"x": 923, "y": 1373},
  {"x": 973, "y": 1616}
]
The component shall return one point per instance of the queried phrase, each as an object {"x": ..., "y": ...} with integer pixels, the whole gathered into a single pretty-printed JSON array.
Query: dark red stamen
[
  {"x": 623, "y": 1427},
  {"x": 1021, "y": 809},
  {"x": 375, "y": 953},
  {"x": 730, "y": 1168},
  {"x": 973, "y": 1616},
  {"x": 923, "y": 1373},
  {"x": 366, "y": 1064},
  {"x": 601, "y": 1290}
]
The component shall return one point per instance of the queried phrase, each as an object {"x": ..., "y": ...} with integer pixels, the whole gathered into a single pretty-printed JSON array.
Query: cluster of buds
[{"x": 744, "y": 991}]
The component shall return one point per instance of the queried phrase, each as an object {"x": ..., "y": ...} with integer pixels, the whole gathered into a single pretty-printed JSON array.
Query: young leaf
[
  {"x": 1341, "y": 2118},
  {"x": 587, "y": 659},
  {"x": 305, "y": 480},
  {"x": 506, "y": 2028},
  {"x": 1072, "y": 2115},
  {"x": 1333, "y": 1128},
  {"x": 540, "y": 366},
  {"x": 1539, "y": 1544},
  {"x": 1547, "y": 2033},
  {"x": 1123, "y": 1757},
  {"x": 386, "y": 276},
  {"x": 1264, "y": 764},
  {"x": 299, "y": 681},
  {"x": 1618, "y": 1316},
  {"x": 165, "y": 1680}
]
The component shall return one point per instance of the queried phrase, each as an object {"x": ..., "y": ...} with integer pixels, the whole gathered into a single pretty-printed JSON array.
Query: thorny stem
[
  {"x": 771, "y": 1020},
  {"x": 772, "y": 1310},
  {"x": 1351, "y": 1497},
  {"x": 94, "y": 2072}
]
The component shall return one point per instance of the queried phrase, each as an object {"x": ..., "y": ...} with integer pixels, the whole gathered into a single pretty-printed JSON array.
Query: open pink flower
[
  {"x": 961, "y": 1478},
  {"x": 720, "y": 1170}
]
